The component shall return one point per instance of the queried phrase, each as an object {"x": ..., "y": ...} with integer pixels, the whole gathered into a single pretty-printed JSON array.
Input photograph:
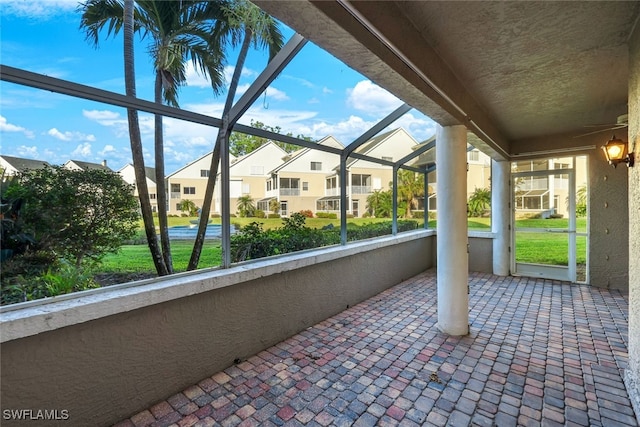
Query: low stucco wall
[
  {"x": 480, "y": 252},
  {"x": 148, "y": 342}
]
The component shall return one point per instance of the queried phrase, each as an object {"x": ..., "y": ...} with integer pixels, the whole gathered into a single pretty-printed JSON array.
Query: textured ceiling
[{"x": 511, "y": 71}]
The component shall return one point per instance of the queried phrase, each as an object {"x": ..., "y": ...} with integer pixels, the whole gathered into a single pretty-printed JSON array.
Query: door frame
[{"x": 568, "y": 273}]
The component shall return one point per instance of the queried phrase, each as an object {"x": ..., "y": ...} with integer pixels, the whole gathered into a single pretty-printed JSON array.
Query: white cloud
[
  {"x": 276, "y": 94},
  {"x": 372, "y": 99},
  {"x": 82, "y": 150},
  {"x": 70, "y": 136},
  {"x": 326, "y": 90},
  {"x": 8, "y": 127},
  {"x": 41, "y": 9},
  {"x": 107, "y": 150},
  {"x": 118, "y": 123},
  {"x": 28, "y": 152},
  {"x": 420, "y": 128}
]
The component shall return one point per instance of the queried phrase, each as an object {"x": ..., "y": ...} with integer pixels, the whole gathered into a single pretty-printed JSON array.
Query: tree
[
  {"x": 274, "y": 205},
  {"x": 246, "y": 207},
  {"x": 255, "y": 28},
  {"x": 379, "y": 204},
  {"x": 179, "y": 31},
  {"x": 241, "y": 144},
  {"x": 189, "y": 207},
  {"x": 479, "y": 202},
  {"x": 78, "y": 214},
  {"x": 410, "y": 187}
]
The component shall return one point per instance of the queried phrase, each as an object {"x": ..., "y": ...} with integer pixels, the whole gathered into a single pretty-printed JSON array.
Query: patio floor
[{"x": 540, "y": 352}]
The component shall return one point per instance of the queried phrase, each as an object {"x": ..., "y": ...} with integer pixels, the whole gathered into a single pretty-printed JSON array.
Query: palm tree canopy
[
  {"x": 244, "y": 17},
  {"x": 179, "y": 31}
]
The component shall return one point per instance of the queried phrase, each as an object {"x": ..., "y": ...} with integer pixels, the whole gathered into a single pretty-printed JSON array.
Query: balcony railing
[
  {"x": 360, "y": 189},
  {"x": 175, "y": 195},
  {"x": 332, "y": 192},
  {"x": 289, "y": 191}
]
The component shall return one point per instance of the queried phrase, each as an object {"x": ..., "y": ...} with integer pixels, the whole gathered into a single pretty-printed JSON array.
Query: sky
[{"x": 316, "y": 95}]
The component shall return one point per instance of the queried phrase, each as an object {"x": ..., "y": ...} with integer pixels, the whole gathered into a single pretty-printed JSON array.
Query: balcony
[
  {"x": 176, "y": 195},
  {"x": 289, "y": 191},
  {"x": 360, "y": 189}
]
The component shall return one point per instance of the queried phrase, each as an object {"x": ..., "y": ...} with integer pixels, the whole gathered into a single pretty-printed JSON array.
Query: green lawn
[{"x": 532, "y": 247}]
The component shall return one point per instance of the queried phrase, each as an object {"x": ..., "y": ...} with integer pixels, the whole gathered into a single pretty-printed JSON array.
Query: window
[
  {"x": 246, "y": 189},
  {"x": 284, "y": 209},
  {"x": 290, "y": 186},
  {"x": 152, "y": 196},
  {"x": 178, "y": 206},
  {"x": 316, "y": 166},
  {"x": 175, "y": 188},
  {"x": 189, "y": 190},
  {"x": 204, "y": 173},
  {"x": 473, "y": 156},
  {"x": 305, "y": 186},
  {"x": 269, "y": 185}
]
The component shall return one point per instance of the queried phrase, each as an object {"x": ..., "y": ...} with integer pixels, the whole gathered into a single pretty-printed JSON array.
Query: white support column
[
  {"x": 453, "y": 256},
  {"x": 500, "y": 216}
]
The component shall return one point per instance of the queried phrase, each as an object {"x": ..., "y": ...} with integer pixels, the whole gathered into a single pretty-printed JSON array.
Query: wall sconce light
[{"x": 615, "y": 151}]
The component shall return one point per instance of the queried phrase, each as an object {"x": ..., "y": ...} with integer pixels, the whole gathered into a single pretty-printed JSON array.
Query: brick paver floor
[{"x": 540, "y": 352}]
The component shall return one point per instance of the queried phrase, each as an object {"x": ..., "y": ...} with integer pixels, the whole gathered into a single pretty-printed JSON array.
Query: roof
[
  {"x": 90, "y": 166},
  {"x": 23, "y": 164},
  {"x": 327, "y": 140}
]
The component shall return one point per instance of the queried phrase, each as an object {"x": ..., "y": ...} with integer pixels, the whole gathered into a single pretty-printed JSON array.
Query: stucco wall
[
  {"x": 632, "y": 373},
  {"x": 108, "y": 368},
  {"x": 481, "y": 254},
  {"x": 608, "y": 223}
]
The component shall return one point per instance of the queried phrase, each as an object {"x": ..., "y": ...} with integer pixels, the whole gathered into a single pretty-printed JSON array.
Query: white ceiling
[{"x": 515, "y": 73}]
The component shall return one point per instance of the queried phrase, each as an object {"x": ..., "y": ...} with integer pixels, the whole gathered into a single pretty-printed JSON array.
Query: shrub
[
  {"x": 307, "y": 213},
  {"x": 329, "y": 215},
  {"x": 273, "y": 215},
  {"x": 259, "y": 213}
]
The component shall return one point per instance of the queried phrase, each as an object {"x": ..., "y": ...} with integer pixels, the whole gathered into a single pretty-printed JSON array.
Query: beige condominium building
[
  {"x": 129, "y": 176},
  {"x": 308, "y": 179}
]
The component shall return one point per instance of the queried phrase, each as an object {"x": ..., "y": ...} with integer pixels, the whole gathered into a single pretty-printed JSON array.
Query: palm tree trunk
[
  {"x": 223, "y": 137},
  {"x": 160, "y": 182},
  {"x": 136, "y": 143}
]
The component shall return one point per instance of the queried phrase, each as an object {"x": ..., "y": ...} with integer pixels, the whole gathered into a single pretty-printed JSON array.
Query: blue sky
[{"x": 316, "y": 95}]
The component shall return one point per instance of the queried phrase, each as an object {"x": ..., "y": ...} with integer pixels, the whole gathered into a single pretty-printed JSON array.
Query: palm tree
[
  {"x": 136, "y": 141},
  {"x": 245, "y": 206},
  {"x": 179, "y": 31},
  {"x": 410, "y": 187},
  {"x": 255, "y": 28}
]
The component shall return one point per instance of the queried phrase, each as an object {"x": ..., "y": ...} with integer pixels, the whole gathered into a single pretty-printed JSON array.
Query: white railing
[
  {"x": 360, "y": 189},
  {"x": 289, "y": 191}
]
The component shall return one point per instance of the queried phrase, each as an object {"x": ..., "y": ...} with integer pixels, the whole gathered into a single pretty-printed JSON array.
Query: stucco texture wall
[
  {"x": 632, "y": 374},
  {"x": 608, "y": 224}
]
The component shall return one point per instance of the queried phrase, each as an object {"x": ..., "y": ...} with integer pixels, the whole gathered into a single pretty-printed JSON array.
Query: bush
[
  {"x": 306, "y": 213},
  {"x": 215, "y": 215},
  {"x": 253, "y": 242},
  {"x": 259, "y": 213},
  {"x": 273, "y": 215},
  {"x": 329, "y": 215}
]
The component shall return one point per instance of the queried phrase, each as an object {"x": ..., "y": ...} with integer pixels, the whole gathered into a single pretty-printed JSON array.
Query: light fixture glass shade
[{"x": 615, "y": 150}]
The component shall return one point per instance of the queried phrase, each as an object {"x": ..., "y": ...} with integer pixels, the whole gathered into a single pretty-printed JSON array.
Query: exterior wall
[
  {"x": 481, "y": 252},
  {"x": 105, "y": 356},
  {"x": 632, "y": 373},
  {"x": 129, "y": 176},
  {"x": 608, "y": 223}
]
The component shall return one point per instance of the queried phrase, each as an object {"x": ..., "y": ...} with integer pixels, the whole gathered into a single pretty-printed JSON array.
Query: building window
[
  {"x": 316, "y": 166},
  {"x": 175, "y": 188},
  {"x": 289, "y": 186},
  {"x": 189, "y": 190},
  {"x": 178, "y": 206},
  {"x": 204, "y": 173},
  {"x": 305, "y": 186},
  {"x": 269, "y": 185},
  {"x": 152, "y": 196},
  {"x": 473, "y": 156}
]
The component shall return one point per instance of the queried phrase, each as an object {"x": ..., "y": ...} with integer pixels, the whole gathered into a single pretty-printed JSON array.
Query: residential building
[
  {"x": 81, "y": 165},
  {"x": 300, "y": 181},
  {"x": 12, "y": 165},
  {"x": 127, "y": 172}
]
